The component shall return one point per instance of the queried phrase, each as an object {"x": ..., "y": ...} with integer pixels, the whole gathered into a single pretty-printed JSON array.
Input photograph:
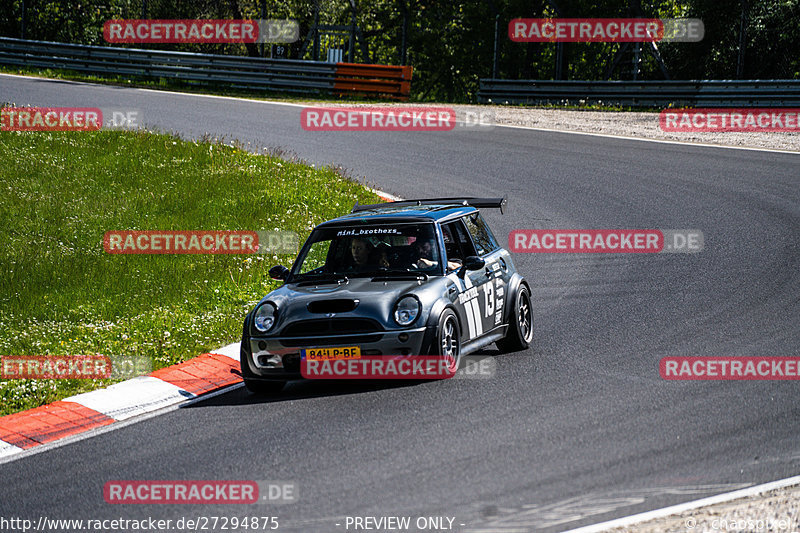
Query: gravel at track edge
[
  {"x": 774, "y": 511},
  {"x": 620, "y": 123},
  {"x": 630, "y": 124}
]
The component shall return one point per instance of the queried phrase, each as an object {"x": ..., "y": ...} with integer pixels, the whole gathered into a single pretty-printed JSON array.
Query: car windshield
[{"x": 368, "y": 250}]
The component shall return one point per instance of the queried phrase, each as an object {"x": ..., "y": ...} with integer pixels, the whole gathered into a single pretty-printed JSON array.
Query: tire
[
  {"x": 254, "y": 385},
  {"x": 448, "y": 339},
  {"x": 520, "y": 327}
]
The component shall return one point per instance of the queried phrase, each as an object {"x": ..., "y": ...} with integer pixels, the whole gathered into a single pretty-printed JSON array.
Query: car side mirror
[
  {"x": 471, "y": 262},
  {"x": 279, "y": 272}
]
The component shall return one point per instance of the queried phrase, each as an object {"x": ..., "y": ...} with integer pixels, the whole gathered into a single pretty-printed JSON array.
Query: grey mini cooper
[{"x": 416, "y": 277}]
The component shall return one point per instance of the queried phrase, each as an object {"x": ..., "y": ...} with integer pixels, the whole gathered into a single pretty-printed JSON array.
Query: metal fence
[
  {"x": 700, "y": 93},
  {"x": 280, "y": 75}
]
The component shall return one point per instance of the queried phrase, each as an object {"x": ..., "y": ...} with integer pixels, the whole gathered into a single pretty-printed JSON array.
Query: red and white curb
[
  {"x": 385, "y": 195},
  {"x": 166, "y": 387},
  {"x": 77, "y": 414}
]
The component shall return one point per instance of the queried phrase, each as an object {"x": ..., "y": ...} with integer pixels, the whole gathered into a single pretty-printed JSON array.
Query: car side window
[
  {"x": 457, "y": 243},
  {"x": 481, "y": 234}
]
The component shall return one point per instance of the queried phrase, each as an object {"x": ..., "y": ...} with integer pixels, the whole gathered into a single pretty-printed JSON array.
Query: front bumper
[{"x": 279, "y": 357}]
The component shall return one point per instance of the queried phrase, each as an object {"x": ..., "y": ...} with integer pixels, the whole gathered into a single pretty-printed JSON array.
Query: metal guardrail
[
  {"x": 284, "y": 75},
  {"x": 699, "y": 93},
  {"x": 381, "y": 79}
]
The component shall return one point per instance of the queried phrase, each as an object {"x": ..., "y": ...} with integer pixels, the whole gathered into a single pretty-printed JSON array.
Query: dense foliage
[{"x": 451, "y": 44}]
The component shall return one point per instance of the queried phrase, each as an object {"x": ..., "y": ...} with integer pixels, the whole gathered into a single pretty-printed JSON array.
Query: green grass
[{"x": 62, "y": 294}]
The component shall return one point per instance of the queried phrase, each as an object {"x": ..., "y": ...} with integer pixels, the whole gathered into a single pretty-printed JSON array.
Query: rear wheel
[
  {"x": 448, "y": 340},
  {"x": 520, "y": 323}
]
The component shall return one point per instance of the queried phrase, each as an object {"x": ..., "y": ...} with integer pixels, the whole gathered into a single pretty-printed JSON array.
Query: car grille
[
  {"x": 313, "y": 332},
  {"x": 341, "y": 305},
  {"x": 302, "y": 342},
  {"x": 322, "y": 327}
]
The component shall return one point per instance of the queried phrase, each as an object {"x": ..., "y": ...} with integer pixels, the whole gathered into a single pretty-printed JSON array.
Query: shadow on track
[{"x": 305, "y": 389}]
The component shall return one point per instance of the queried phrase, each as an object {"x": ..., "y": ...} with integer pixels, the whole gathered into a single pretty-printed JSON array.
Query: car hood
[{"x": 371, "y": 299}]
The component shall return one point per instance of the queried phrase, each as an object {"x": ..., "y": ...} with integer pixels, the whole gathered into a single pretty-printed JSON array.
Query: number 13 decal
[{"x": 489, "y": 293}]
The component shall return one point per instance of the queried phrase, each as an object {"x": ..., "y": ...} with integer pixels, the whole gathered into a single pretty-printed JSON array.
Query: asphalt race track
[{"x": 577, "y": 430}]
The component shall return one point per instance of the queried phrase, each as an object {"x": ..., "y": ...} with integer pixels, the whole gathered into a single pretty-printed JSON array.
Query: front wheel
[
  {"x": 448, "y": 340},
  {"x": 520, "y": 327}
]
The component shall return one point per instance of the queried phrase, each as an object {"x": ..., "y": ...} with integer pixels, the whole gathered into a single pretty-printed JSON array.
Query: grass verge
[{"x": 62, "y": 294}]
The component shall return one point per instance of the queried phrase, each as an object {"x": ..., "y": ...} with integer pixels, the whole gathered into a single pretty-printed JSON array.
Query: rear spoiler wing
[{"x": 491, "y": 203}]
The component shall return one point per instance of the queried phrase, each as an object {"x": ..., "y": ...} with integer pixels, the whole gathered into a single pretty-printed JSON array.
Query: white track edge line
[
  {"x": 273, "y": 102},
  {"x": 688, "y": 506}
]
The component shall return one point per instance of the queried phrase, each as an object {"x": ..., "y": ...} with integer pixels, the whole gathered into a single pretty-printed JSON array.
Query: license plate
[{"x": 327, "y": 354}]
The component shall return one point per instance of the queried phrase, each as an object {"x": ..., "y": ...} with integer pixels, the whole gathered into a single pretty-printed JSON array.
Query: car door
[
  {"x": 494, "y": 276},
  {"x": 471, "y": 300}
]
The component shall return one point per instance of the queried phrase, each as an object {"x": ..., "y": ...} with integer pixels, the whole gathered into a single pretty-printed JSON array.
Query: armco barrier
[
  {"x": 284, "y": 75},
  {"x": 374, "y": 79},
  {"x": 700, "y": 93}
]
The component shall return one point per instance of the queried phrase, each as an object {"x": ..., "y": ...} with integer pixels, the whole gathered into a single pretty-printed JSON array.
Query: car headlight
[
  {"x": 264, "y": 317},
  {"x": 406, "y": 310}
]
